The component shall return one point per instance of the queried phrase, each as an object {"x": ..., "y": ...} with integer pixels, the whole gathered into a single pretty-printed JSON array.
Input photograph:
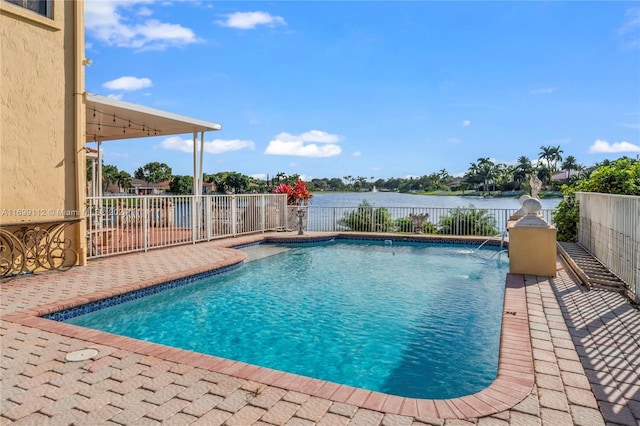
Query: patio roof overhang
[{"x": 113, "y": 119}]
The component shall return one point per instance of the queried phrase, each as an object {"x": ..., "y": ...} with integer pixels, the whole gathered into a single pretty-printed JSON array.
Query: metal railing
[
  {"x": 460, "y": 221},
  {"x": 609, "y": 228},
  {"x": 117, "y": 225}
]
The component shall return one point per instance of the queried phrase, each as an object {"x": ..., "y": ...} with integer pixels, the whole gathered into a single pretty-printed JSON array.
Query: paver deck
[{"x": 584, "y": 361}]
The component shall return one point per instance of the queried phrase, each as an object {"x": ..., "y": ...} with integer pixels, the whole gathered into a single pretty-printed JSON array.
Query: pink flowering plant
[{"x": 297, "y": 195}]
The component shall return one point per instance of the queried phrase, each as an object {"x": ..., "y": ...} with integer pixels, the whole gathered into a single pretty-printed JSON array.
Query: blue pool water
[{"x": 409, "y": 319}]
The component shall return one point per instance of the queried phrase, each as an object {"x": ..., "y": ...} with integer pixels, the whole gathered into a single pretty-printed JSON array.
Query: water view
[{"x": 394, "y": 199}]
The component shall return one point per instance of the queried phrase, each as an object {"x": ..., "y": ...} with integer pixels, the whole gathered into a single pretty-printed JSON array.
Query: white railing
[
  {"x": 117, "y": 225},
  {"x": 461, "y": 221},
  {"x": 609, "y": 228}
]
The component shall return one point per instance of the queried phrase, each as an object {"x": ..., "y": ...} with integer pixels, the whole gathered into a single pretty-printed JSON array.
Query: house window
[{"x": 41, "y": 7}]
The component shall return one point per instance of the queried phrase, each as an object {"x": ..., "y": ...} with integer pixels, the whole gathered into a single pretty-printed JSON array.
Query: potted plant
[{"x": 298, "y": 197}]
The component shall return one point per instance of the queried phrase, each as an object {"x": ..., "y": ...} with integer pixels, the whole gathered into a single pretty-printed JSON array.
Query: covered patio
[
  {"x": 62, "y": 242},
  {"x": 109, "y": 119}
]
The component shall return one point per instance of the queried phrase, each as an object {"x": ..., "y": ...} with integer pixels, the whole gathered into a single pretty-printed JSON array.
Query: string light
[{"x": 132, "y": 125}]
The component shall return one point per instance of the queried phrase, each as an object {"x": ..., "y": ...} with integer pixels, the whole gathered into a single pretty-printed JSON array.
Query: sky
[{"x": 377, "y": 89}]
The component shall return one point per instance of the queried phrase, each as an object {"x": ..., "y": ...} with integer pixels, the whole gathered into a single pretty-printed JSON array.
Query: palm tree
[
  {"x": 570, "y": 163},
  {"x": 109, "y": 176},
  {"x": 523, "y": 170},
  {"x": 279, "y": 176},
  {"x": 544, "y": 174},
  {"x": 551, "y": 155},
  {"x": 556, "y": 157},
  {"x": 545, "y": 155},
  {"x": 219, "y": 179},
  {"x": 487, "y": 172},
  {"x": 349, "y": 180},
  {"x": 123, "y": 179},
  {"x": 505, "y": 175},
  {"x": 472, "y": 177}
]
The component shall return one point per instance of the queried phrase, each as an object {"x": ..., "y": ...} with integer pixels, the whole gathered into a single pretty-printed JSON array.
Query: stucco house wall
[{"x": 42, "y": 117}]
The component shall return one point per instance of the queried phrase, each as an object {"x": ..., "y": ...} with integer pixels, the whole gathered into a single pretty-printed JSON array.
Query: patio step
[{"x": 589, "y": 269}]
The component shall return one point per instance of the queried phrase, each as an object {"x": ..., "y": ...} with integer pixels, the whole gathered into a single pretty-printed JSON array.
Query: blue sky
[{"x": 374, "y": 89}]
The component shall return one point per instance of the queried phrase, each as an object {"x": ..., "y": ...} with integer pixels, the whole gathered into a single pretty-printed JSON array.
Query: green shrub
[
  {"x": 405, "y": 224},
  {"x": 565, "y": 217},
  {"x": 468, "y": 221},
  {"x": 367, "y": 218},
  {"x": 621, "y": 176}
]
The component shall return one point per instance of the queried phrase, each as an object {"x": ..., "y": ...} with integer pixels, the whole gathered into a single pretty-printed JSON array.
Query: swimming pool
[{"x": 407, "y": 319}]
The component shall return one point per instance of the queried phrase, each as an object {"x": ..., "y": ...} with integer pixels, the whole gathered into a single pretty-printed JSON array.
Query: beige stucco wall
[
  {"x": 532, "y": 251},
  {"x": 39, "y": 120}
]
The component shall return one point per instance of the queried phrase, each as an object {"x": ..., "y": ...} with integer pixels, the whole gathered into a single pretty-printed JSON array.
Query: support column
[{"x": 532, "y": 243}]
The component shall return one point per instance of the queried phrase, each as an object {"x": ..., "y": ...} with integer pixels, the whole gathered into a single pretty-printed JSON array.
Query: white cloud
[
  {"x": 632, "y": 22},
  {"x": 466, "y": 123},
  {"x": 109, "y": 21},
  {"x": 217, "y": 146},
  {"x": 117, "y": 96},
  {"x": 543, "y": 91},
  {"x": 128, "y": 83},
  {"x": 144, "y": 11},
  {"x": 250, "y": 20},
  {"x": 314, "y": 143},
  {"x": 310, "y": 136},
  {"x": 453, "y": 140},
  {"x": 602, "y": 146},
  {"x": 356, "y": 154}
]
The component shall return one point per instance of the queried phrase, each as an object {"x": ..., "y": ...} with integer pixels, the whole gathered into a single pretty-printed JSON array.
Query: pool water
[{"x": 409, "y": 319}]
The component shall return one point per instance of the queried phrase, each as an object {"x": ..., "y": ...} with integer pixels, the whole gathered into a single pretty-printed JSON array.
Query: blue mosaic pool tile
[
  {"x": 133, "y": 295},
  {"x": 301, "y": 240}
]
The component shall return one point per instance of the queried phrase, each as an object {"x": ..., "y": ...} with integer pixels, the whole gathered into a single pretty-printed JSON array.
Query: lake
[{"x": 395, "y": 199}]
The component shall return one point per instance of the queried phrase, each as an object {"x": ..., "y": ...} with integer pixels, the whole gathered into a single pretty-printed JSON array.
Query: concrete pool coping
[{"x": 514, "y": 382}]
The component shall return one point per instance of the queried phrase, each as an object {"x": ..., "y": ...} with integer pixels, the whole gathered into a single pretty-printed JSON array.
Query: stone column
[{"x": 532, "y": 243}]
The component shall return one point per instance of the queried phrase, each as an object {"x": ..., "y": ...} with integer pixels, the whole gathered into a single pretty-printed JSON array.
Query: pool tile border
[
  {"x": 514, "y": 382},
  {"x": 118, "y": 299}
]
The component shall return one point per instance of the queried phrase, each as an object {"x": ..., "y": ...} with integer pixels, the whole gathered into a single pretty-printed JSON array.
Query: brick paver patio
[{"x": 584, "y": 346}]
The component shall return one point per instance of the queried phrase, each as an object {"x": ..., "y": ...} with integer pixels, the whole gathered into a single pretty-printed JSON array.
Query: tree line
[{"x": 483, "y": 176}]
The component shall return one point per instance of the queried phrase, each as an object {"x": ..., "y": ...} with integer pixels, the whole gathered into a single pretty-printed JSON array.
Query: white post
[
  {"x": 99, "y": 171},
  {"x": 145, "y": 223},
  {"x": 194, "y": 192},
  {"x": 201, "y": 171},
  {"x": 93, "y": 177}
]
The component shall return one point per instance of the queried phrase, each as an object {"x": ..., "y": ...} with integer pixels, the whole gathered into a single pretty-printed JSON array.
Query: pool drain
[{"x": 81, "y": 355}]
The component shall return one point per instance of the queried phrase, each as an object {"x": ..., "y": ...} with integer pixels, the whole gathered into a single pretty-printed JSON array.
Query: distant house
[
  {"x": 208, "y": 188},
  {"x": 142, "y": 187},
  {"x": 564, "y": 175},
  {"x": 253, "y": 187},
  {"x": 454, "y": 181}
]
